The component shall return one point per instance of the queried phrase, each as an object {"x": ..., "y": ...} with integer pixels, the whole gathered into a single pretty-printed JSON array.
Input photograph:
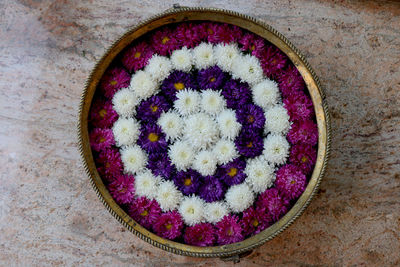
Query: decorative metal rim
[{"x": 179, "y": 14}]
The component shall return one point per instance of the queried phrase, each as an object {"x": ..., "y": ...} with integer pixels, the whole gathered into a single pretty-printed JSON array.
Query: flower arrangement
[{"x": 203, "y": 133}]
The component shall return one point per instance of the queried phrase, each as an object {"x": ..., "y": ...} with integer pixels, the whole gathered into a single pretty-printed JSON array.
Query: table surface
[{"x": 50, "y": 215}]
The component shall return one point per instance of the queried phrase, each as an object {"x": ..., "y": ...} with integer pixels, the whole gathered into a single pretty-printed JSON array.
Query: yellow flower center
[
  {"x": 123, "y": 190},
  {"x": 113, "y": 82},
  {"x": 232, "y": 172},
  {"x": 212, "y": 79},
  {"x": 252, "y": 47},
  {"x": 187, "y": 182},
  {"x": 255, "y": 222},
  {"x": 102, "y": 139},
  {"x": 179, "y": 86},
  {"x": 229, "y": 232},
  {"x": 102, "y": 113},
  {"x": 165, "y": 40},
  {"x": 153, "y": 108},
  {"x": 168, "y": 226},
  {"x": 144, "y": 213},
  {"x": 137, "y": 55},
  {"x": 153, "y": 137},
  {"x": 210, "y": 31},
  {"x": 250, "y": 144},
  {"x": 293, "y": 182},
  {"x": 250, "y": 119},
  {"x": 107, "y": 165},
  {"x": 304, "y": 159}
]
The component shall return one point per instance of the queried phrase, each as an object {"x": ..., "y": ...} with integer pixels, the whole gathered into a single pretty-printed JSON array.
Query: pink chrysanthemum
[
  {"x": 299, "y": 106},
  {"x": 145, "y": 211},
  {"x": 136, "y": 57},
  {"x": 290, "y": 81},
  {"x": 169, "y": 225},
  {"x": 252, "y": 222},
  {"x": 188, "y": 35},
  {"x": 252, "y": 43},
  {"x": 109, "y": 164},
  {"x": 102, "y": 114},
  {"x": 272, "y": 60},
  {"x": 101, "y": 139},
  {"x": 122, "y": 189},
  {"x": 303, "y": 132},
  {"x": 290, "y": 181},
  {"x": 229, "y": 230},
  {"x": 113, "y": 80},
  {"x": 201, "y": 235},
  {"x": 221, "y": 33},
  {"x": 303, "y": 156},
  {"x": 164, "y": 41},
  {"x": 271, "y": 206}
]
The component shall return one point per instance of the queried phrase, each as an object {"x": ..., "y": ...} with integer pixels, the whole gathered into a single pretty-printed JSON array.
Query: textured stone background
[{"x": 49, "y": 214}]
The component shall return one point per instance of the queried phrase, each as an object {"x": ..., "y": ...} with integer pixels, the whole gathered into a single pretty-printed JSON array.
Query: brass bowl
[{"x": 180, "y": 14}]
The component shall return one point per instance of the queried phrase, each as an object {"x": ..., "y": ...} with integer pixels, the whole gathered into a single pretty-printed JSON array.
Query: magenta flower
[
  {"x": 221, "y": 33},
  {"x": 304, "y": 157},
  {"x": 249, "y": 144},
  {"x": 252, "y": 43},
  {"x": 145, "y": 211},
  {"x": 272, "y": 60},
  {"x": 303, "y": 132},
  {"x": 290, "y": 81},
  {"x": 102, "y": 114},
  {"x": 152, "y": 139},
  {"x": 113, "y": 80},
  {"x": 109, "y": 164},
  {"x": 299, "y": 106},
  {"x": 100, "y": 139},
  {"x": 290, "y": 181},
  {"x": 122, "y": 189},
  {"x": 164, "y": 41},
  {"x": 151, "y": 108},
  {"x": 229, "y": 230},
  {"x": 271, "y": 206},
  {"x": 251, "y": 222},
  {"x": 169, "y": 225},
  {"x": 202, "y": 235},
  {"x": 136, "y": 57},
  {"x": 188, "y": 35}
]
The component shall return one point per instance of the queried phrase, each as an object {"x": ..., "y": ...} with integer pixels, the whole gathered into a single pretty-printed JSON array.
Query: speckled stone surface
[{"x": 50, "y": 215}]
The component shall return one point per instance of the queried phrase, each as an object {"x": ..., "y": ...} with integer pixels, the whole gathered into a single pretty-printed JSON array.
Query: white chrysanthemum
[
  {"x": 159, "y": 67},
  {"x": 200, "y": 130},
  {"x": 126, "y": 131},
  {"x": 124, "y": 102},
  {"x": 143, "y": 85},
  {"x": 260, "y": 175},
  {"x": 182, "y": 59},
  {"x": 266, "y": 93},
  {"x": 146, "y": 184},
  {"x": 239, "y": 197},
  {"x": 181, "y": 154},
  {"x": 227, "y": 124},
  {"x": 225, "y": 151},
  {"x": 168, "y": 196},
  {"x": 277, "y": 120},
  {"x": 276, "y": 149},
  {"x": 205, "y": 163},
  {"x": 225, "y": 55},
  {"x": 203, "y": 56},
  {"x": 248, "y": 69},
  {"x": 133, "y": 158},
  {"x": 212, "y": 102},
  {"x": 215, "y": 211},
  {"x": 192, "y": 210},
  {"x": 171, "y": 124},
  {"x": 188, "y": 102}
]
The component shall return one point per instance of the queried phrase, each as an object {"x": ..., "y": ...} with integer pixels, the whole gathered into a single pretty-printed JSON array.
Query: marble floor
[{"x": 50, "y": 215}]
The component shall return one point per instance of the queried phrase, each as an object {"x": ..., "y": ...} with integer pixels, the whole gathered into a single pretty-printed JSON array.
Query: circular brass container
[{"x": 179, "y": 14}]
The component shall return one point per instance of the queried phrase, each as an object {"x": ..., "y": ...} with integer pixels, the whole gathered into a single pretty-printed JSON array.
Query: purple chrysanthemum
[
  {"x": 102, "y": 114},
  {"x": 272, "y": 60},
  {"x": 151, "y": 108},
  {"x": 229, "y": 230},
  {"x": 303, "y": 132},
  {"x": 188, "y": 35},
  {"x": 188, "y": 181},
  {"x": 251, "y": 117},
  {"x": 299, "y": 106},
  {"x": 109, "y": 164},
  {"x": 303, "y": 156},
  {"x": 152, "y": 139},
  {"x": 176, "y": 81},
  {"x": 201, "y": 235},
  {"x": 251, "y": 222},
  {"x": 271, "y": 206},
  {"x": 160, "y": 164},
  {"x": 164, "y": 41},
  {"x": 136, "y": 57},
  {"x": 100, "y": 139},
  {"x": 236, "y": 93},
  {"x": 290, "y": 181},
  {"x": 169, "y": 225},
  {"x": 290, "y": 81},
  {"x": 232, "y": 172},
  {"x": 145, "y": 211},
  {"x": 252, "y": 43},
  {"x": 249, "y": 144},
  {"x": 212, "y": 189},
  {"x": 122, "y": 189},
  {"x": 211, "y": 78},
  {"x": 113, "y": 80}
]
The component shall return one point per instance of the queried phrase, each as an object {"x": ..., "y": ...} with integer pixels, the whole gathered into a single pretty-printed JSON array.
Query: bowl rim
[{"x": 181, "y": 14}]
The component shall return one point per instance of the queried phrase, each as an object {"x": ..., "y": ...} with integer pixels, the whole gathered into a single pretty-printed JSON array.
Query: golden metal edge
[{"x": 181, "y": 249}]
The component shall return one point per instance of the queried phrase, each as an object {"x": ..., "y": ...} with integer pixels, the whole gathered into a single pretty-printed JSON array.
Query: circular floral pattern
[{"x": 204, "y": 133}]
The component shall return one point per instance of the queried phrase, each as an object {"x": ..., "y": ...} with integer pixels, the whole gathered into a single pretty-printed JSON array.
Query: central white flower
[{"x": 201, "y": 130}]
